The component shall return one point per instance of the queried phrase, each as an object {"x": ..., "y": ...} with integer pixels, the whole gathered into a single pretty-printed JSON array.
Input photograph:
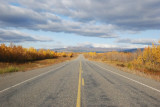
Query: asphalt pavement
[{"x": 78, "y": 83}]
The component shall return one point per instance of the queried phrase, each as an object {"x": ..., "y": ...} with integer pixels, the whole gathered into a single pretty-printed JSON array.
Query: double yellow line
[{"x": 79, "y": 86}]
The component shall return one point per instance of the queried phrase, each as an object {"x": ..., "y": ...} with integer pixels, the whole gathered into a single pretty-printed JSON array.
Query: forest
[
  {"x": 19, "y": 54},
  {"x": 17, "y": 58}
]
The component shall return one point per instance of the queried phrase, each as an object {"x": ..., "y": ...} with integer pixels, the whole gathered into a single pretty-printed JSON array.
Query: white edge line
[
  {"x": 30, "y": 79},
  {"x": 128, "y": 78}
]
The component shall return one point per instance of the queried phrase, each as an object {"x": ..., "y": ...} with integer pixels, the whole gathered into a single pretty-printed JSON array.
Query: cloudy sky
[{"x": 66, "y": 23}]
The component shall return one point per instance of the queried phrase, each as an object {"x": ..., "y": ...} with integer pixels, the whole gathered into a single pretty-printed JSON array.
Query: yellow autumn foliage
[
  {"x": 149, "y": 58},
  {"x": 146, "y": 60},
  {"x": 14, "y": 53}
]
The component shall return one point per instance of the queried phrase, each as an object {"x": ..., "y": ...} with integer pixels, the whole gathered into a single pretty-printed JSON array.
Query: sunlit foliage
[
  {"x": 146, "y": 60},
  {"x": 149, "y": 58},
  {"x": 15, "y": 53}
]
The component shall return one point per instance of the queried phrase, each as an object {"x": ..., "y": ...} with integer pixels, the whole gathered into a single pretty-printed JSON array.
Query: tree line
[
  {"x": 18, "y": 54},
  {"x": 144, "y": 60}
]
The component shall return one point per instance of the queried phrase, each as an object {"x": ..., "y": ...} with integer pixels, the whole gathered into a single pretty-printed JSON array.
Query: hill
[{"x": 93, "y": 49}]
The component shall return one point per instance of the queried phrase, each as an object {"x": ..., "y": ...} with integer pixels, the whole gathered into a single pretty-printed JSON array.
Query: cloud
[
  {"x": 16, "y": 36},
  {"x": 127, "y": 14},
  {"x": 93, "y": 18},
  {"x": 110, "y": 46},
  {"x": 138, "y": 41},
  {"x": 13, "y": 16},
  {"x": 96, "y": 45},
  {"x": 88, "y": 29},
  {"x": 20, "y": 17}
]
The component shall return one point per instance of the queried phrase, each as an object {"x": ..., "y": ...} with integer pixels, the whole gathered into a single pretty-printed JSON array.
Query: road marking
[
  {"x": 82, "y": 81},
  {"x": 30, "y": 79},
  {"x": 79, "y": 87},
  {"x": 128, "y": 78}
]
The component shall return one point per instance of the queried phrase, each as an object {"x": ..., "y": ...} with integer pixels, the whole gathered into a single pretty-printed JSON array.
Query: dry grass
[
  {"x": 125, "y": 66},
  {"x": 16, "y": 67}
]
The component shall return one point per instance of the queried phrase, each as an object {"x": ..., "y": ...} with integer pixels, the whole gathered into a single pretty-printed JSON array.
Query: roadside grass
[
  {"x": 16, "y": 67},
  {"x": 143, "y": 71},
  {"x": 9, "y": 69},
  {"x": 138, "y": 71}
]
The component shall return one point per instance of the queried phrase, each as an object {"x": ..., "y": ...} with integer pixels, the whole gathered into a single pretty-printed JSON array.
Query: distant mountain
[
  {"x": 132, "y": 50},
  {"x": 93, "y": 49}
]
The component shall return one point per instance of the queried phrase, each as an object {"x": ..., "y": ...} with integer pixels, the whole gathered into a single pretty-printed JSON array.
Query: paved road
[{"x": 78, "y": 83}]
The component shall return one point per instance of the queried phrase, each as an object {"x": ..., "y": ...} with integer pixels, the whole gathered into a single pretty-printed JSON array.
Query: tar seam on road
[
  {"x": 79, "y": 87},
  {"x": 30, "y": 79},
  {"x": 82, "y": 81},
  {"x": 128, "y": 78}
]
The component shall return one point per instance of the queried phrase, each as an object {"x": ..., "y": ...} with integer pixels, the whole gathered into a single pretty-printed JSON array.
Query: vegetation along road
[{"x": 77, "y": 83}]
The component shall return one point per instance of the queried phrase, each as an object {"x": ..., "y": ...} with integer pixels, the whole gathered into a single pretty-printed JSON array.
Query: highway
[{"x": 78, "y": 83}]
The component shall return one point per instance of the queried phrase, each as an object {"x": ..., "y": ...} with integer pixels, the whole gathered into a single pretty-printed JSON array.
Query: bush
[{"x": 10, "y": 69}]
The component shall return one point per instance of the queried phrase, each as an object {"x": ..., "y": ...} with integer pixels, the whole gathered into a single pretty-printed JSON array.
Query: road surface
[{"x": 78, "y": 83}]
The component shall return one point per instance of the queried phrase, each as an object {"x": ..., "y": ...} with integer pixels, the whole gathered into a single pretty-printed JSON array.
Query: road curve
[{"x": 78, "y": 83}]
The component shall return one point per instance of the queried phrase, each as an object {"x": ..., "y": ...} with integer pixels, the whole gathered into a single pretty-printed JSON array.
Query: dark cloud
[
  {"x": 20, "y": 17},
  {"x": 86, "y": 16},
  {"x": 129, "y": 14},
  {"x": 12, "y": 16},
  {"x": 15, "y": 36},
  {"x": 138, "y": 41}
]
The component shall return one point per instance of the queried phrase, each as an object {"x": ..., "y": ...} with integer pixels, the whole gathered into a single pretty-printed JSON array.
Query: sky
[{"x": 54, "y": 24}]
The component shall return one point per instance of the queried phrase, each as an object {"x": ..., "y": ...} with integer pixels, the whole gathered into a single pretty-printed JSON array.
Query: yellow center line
[
  {"x": 82, "y": 81},
  {"x": 79, "y": 87}
]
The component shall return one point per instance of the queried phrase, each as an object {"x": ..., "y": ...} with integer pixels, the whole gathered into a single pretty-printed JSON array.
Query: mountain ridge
[{"x": 94, "y": 49}]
